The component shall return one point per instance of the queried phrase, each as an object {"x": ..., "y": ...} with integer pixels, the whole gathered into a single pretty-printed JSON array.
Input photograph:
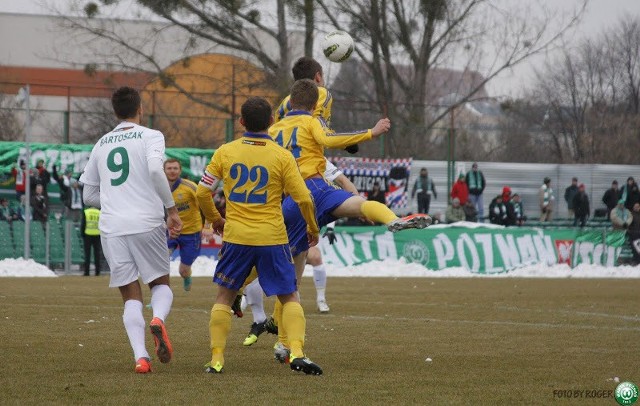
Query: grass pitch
[{"x": 491, "y": 341}]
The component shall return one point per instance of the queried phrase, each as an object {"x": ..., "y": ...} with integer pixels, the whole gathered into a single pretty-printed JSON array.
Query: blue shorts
[
  {"x": 326, "y": 197},
  {"x": 189, "y": 245},
  {"x": 274, "y": 264}
]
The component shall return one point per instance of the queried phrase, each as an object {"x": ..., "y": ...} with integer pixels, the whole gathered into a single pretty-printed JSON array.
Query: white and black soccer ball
[{"x": 337, "y": 46}]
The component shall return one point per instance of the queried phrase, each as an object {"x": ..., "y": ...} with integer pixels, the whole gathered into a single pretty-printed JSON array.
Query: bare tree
[
  {"x": 11, "y": 128},
  {"x": 402, "y": 42},
  {"x": 585, "y": 102},
  {"x": 242, "y": 28}
]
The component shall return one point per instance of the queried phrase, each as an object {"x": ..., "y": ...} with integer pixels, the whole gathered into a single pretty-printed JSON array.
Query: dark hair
[
  {"x": 547, "y": 180},
  {"x": 125, "y": 102},
  {"x": 304, "y": 94},
  {"x": 171, "y": 160},
  {"x": 574, "y": 179},
  {"x": 306, "y": 68},
  {"x": 256, "y": 114},
  {"x": 615, "y": 182}
]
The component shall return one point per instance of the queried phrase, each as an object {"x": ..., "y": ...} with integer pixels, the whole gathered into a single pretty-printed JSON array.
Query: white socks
[
  {"x": 253, "y": 293},
  {"x": 320, "y": 281},
  {"x": 161, "y": 300},
  {"x": 135, "y": 326}
]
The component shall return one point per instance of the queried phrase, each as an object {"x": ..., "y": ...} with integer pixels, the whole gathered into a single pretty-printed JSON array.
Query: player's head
[
  {"x": 172, "y": 169},
  {"x": 308, "y": 68},
  {"x": 126, "y": 103},
  {"x": 304, "y": 95},
  {"x": 256, "y": 115}
]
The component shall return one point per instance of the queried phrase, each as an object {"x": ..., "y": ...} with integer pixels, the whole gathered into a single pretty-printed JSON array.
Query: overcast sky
[{"x": 600, "y": 15}]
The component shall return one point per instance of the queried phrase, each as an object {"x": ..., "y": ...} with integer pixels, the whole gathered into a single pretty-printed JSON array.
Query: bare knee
[{"x": 314, "y": 258}]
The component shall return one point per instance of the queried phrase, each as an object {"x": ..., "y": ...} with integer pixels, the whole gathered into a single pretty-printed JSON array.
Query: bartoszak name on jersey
[{"x": 120, "y": 137}]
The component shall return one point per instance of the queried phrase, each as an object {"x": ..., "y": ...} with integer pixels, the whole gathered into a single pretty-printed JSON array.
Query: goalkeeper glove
[{"x": 331, "y": 235}]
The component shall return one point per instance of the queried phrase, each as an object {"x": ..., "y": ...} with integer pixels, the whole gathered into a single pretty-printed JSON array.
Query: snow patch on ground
[{"x": 204, "y": 267}]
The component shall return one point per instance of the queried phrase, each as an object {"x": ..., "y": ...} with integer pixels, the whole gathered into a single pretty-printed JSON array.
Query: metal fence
[{"x": 526, "y": 179}]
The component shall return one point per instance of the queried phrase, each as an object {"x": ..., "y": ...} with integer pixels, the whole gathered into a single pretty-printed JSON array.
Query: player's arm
[
  {"x": 90, "y": 180},
  {"x": 155, "y": 160},
  {"x": 323, "y": 135},
  {"x": 346, "y": 184},
  {"x": 205, "y": 188},
  {"x": 295, "y": 187}
]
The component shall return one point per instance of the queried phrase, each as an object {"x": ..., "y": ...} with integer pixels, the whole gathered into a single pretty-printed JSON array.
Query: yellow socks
[
  {"x": 277, "y": 316},
  {"x": 378, "y": 212},
  {"x": 294, "y": 324},
  {"x": 219, "y": 326}
]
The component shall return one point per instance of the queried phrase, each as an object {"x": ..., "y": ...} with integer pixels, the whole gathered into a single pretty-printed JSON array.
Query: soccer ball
[{"x": 337, "y": 46}]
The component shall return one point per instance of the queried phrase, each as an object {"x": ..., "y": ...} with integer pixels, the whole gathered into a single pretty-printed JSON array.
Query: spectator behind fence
[
  {"x": 515, "y": 211},
  {"x": 455, "y": 212},
  {"x": 546, "y": 198},
  {"x": 470, "y": 212},
  {"x": 460, "y": 190},
  {"x": 630, "y": 193},
  {"x": 6, "y": 212},
  {"x": 20, "y": 178},
  {"x": 21, "y": 211},
  {"x": 91, "y": 237},
  {"x": 621, "y": 217},
  {"x": 376, "y": 194},
  {"x": 498, "y": 211},
  {"x": 476, "y": 184},
  {"x": 40, "y": 205},
  {"x": 424, "y": 188},
  {"x": 70, "y": 194},
  {"x": 41, "y": 176},
  {"x": 569, "y": 194},
  {"x": 506, "y": 194},
  {"x": 634, "y": 233},
  {"x": 611, "y": 197},
  {"x": 581, "y": 206}
]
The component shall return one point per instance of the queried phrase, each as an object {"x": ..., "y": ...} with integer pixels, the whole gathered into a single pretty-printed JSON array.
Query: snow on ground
[
  {"x": 204, "y": 267},
  {"x": 24, "y": 268},
  {"x": 399, "y": 268}
]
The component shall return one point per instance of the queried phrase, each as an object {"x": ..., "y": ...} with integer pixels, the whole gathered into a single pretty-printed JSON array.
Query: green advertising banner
[
  {"x": 478, "y": 249},
  {"x": 75, "y": 157}
]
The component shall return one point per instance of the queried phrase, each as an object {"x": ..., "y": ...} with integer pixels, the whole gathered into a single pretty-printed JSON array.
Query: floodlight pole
[{"x": 27, "y": 192}]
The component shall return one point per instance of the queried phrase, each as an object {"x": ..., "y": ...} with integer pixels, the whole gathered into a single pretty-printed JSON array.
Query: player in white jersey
[
  {"x": 253, "y": 295},
  {"x": 125, "y": 179}
]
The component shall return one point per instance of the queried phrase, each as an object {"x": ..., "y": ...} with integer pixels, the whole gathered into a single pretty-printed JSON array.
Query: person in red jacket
[
  {"x": 460, "y": 190},
  {"x": 506, "y": 194},
  {"x": 20, "y": 178}
]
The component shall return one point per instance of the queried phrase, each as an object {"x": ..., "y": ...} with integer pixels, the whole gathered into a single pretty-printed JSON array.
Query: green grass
[{"x": 492, "y": 341}]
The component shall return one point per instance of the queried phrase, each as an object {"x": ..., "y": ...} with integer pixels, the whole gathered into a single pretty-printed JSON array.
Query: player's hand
[
  {"x": 313, "y": 239},
  {"x": 218, "y": 226},
  {"x": 174, "y": 224},
  {"x": 330, "y": 234},
  {"x": 207, "y": 233},
  {"x": 381, "y": 127}
]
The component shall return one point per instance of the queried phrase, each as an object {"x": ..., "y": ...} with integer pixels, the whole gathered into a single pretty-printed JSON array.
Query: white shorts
[{"x": 136, "y": 255}]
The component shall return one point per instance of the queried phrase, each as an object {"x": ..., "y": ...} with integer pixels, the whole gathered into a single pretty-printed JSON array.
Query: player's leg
[
  {"x": 87, "y": 254},
  {"x": 255, "y": 299},
  {"x": 235, "y": 263},
  {"x": 95, "y": 241},
  {"x": 219, "y": 327},
  {"x": 150, "y": 253},
  {"x": 356, "y": 206},
  {"x": 189, "y": 251},
  {"x": 274, "y": 267},
  {"x": 124, "y": 276},
  {"x": 314, "y": 258}
]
